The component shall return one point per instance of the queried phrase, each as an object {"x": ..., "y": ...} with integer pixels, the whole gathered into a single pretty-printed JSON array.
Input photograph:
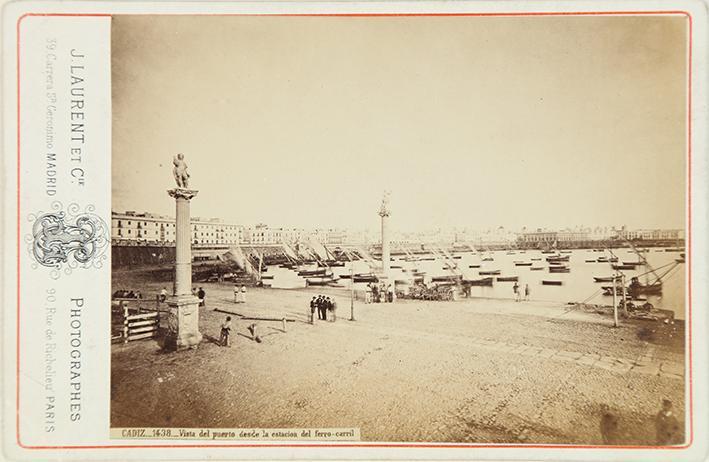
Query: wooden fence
[{"x": 136, "y": 323}]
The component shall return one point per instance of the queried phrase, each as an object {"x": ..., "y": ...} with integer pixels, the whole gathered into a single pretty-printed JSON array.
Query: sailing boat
[
  {"x": 551, "y": 249},
  {"x": 651, "y": 288}
]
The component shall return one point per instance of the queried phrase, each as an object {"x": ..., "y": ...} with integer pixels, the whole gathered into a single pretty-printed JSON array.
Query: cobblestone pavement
[{"x": 487, "y": 371}]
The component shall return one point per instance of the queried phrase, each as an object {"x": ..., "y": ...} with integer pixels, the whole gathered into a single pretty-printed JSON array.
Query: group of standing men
[
  {"x": 518, "y": 292},
  {"x": 323, "y": 304},
  {"x": 239, "y": 294},
  {"x": 378, "y": 293}
]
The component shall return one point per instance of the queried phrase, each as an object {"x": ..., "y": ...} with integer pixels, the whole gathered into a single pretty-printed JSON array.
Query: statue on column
[
  {"x": 180, "y": 171},
  {"x": 384, "y": 209}
]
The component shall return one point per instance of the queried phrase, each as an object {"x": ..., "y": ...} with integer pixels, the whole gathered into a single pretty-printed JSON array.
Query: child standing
[{"x": 226, "y": 330}]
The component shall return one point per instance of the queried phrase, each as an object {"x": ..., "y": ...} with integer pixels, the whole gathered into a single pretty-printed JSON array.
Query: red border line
[{"x": 373, "y": 444}]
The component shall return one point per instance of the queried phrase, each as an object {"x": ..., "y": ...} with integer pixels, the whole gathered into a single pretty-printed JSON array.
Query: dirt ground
[{"x": 477, "y": 370}]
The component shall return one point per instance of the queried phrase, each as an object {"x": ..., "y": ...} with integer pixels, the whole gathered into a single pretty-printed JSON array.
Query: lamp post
[
  {"x": 615, "y": 301},
  {"x": 352, "y": 318}
]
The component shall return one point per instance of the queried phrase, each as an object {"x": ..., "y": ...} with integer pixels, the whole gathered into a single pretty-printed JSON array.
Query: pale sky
[{"x": 479, "y": 122}]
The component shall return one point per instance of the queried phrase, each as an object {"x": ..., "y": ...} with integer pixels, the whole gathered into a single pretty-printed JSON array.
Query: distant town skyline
[{"x": 536, "y": 122}]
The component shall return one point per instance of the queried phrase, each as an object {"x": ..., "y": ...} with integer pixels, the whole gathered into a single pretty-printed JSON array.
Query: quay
[{"x": 493, "y": 371}]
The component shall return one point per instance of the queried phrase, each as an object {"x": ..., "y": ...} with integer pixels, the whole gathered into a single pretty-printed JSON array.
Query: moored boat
[
  {"x": 523, "y": 263},
  {"x": 507, "y": 278},
  {"x": 478, "y": 282},
  {"x": 551, "y": 283},
  {"x": 559, "y": 269},
  {"x": 319, "y": 281},
  {"x": 489, "y": 272}
]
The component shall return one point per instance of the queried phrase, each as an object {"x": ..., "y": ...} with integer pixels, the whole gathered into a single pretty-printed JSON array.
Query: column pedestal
[{"x": 183, "y": 322}]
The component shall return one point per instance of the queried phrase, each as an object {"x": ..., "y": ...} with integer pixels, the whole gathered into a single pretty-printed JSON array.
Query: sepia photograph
[{"x": 425, "y": 229}]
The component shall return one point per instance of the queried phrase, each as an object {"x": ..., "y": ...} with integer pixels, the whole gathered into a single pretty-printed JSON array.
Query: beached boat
[
  {"x": 559, "y": 269},
  {"x": 489, "y": 272},
  {"x": 636, "y": 287},
  {"x": 507, "y": 278},
  {"x": 552, "y": 283},
  {"x": 319, "y": 281},
  {"x": 447, "y": 278},
  {"x": 364, "y": 277},
  {"x": 523, "y": 263},
  {"x": 478, "y": 282}
]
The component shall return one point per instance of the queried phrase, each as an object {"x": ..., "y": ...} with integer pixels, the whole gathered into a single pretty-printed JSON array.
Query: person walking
[
  {"x": 515, "y": 289},
  {"x": 201, "y": 294},
  {"x": 526, "y": 292}
]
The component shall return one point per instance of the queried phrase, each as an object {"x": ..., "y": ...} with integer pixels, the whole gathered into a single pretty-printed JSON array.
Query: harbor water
[{"x": 576, "y": 286}]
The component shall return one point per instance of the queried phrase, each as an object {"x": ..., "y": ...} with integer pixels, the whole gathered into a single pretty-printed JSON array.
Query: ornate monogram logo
[{"x": 71, "y": 239}]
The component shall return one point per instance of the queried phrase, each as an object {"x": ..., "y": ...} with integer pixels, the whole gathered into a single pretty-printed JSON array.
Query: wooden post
[
  {"x": 352, "y": 318},
  {"x": 615, "y": 303},
  {"x": 125, "y": 321},
  {"x": 625, "y": 300},
  {"x": 284, "y": 324}
]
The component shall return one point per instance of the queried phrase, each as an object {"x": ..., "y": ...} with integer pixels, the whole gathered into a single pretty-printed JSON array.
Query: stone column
[{"x": 183, "y": 323}]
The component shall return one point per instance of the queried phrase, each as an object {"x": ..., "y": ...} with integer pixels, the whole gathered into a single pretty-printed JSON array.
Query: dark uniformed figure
[
  {"x": 325, "y": 306},
  {"x": 666, "y": 425},
  {"x": 319, "y": 303}
]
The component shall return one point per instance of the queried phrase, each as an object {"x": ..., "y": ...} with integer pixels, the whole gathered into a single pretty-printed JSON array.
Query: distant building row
[{"x": 132, "y": 228}]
